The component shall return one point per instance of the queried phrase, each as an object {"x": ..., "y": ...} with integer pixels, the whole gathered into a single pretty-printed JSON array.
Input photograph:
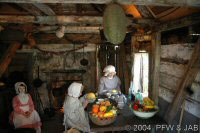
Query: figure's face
[
  {"x": 81, "y": 90},
  {"x": 22, "y": 89},
  {"x": 111, "y": 75}
]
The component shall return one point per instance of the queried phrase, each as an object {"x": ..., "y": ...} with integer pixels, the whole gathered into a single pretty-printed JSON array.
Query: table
[{"x": 127, "y": 121}]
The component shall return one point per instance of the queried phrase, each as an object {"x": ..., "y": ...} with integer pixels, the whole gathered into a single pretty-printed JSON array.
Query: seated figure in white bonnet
[{"x": 24, "y": 114}]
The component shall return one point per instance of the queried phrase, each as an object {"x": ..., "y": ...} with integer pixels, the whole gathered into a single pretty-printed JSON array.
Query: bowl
[
  {"x": 145, "y": 115},
  {"x": 103, "y": 122}
]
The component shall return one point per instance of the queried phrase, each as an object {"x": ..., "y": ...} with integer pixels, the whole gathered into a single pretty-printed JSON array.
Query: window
[{"x": 140, "y": 72}]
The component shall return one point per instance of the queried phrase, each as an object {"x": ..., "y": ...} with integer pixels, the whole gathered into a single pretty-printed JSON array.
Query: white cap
[{"x": 109, "y": 69}]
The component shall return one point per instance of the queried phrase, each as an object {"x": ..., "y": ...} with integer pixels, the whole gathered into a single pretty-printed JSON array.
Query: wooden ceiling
[{"x": 85, "y": 16}]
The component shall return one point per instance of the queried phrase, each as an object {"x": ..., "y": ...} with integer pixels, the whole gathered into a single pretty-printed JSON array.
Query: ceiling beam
[
  {"x": 94, "y": 20},
  {"x": 152, "y": 13},
  {"x": 51, "y": 19},
  {"x": 186, "y": 21},
  {"x": 30, "y": 8},
  {"x": 144, "y": 11},
  {"x": 45, "y": 9},
  {"x": 135, "y": 2},
  {"x": 71, "y": 29},
  {"x": 7, "y": 57}
]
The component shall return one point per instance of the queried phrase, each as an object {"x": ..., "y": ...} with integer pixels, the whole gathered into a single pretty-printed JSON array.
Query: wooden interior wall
[{"x": 174, "y": 58}]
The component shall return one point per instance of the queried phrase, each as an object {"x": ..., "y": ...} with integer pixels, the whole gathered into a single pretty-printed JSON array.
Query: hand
[
  {"x": 85, "y": 103},
  {"x": 27, "y": 114}
]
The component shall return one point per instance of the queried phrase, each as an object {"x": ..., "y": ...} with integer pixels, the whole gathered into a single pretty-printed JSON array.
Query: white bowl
[{"x": 145, "y": 115}]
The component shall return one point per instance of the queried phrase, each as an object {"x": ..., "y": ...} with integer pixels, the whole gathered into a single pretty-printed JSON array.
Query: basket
[{"x": 98, "y": 122}]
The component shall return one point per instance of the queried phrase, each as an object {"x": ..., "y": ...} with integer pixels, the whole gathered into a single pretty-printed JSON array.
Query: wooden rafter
[
  {"x": 7, "y": 57},
  {"x": 45, "y": 9},
  {"x": 186, "y": 21},
  {"x": 144, "y": 11},
  {"x": 152, "y": 13},
  {"x": 30, "y": 8},
  {"x": 190, "y": 74},
  {"x": 51, "y": 19},
  {"x": 135, "y": 2},
  {"x": 93, "y": 20},
  {"x": 166, "y": 12}
]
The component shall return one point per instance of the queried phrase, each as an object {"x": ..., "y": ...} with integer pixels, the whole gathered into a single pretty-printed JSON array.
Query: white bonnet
[
  {"x": 17, "y": 86},
  {"x": 109, "y": 69},
  {"x": 74, "y": 89}
]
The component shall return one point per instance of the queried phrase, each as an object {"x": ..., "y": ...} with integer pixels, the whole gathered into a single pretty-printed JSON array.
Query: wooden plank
[
  {"x": 156, "y": 42},
  {"x": 70, "y": 29},
  {"x": 45, "y": 9},
  {"x": 94, "y": 20},
  {"x": 177, "y": 51},
  {"x": 89, "y": 47},
  {"x": 166, "y": 12},
  {"x": 177, "y": 70},
  {"x": 188, "y": 77},
  {"x": 7, "y": 57},
  {"x": 183, "y": 22},
  {"x": 135, "y": 2},
  {"x": 192, "y": 106},
  {"x": 30, "y": 8},
  {"x": 169, "y": 81},
  {"x": 51, "y": 19},
  {"x": 144, "y": 11},
  {"x": 152, "y": 13}
]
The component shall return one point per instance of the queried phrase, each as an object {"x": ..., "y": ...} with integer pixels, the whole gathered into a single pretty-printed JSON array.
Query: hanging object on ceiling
[
  {"x": 60, "y": 32},
  {"x": 84, "y": 62},
  {"x": 114, "y": 23}
]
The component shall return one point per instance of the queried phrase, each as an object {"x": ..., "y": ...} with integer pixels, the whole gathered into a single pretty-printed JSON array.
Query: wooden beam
[
  {"x": 166, "y": 12},
  {"x": 7, "y": 57},
  {"x": 30, "y": 8},
  {"x": 67, "y": 39},
  {"x": 156, "y": 43},
  {"x": 70, "y": 29},
  {"x": 45, "y": 9},
  {"x": 94, "y": 20},
  {"x": 186, "y": 21},
  {"x": 152, "y": 13},
  {"x": 135, "y": 2},
  {"x": 144, "y": 11},
  {"x": 189, "y": 76},
  {"x": 51, "y": 19},
  {"x": 89, "y": 47}
]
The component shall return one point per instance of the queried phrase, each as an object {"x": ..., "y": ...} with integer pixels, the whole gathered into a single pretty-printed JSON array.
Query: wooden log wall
[{"x": 173, "y": 63}]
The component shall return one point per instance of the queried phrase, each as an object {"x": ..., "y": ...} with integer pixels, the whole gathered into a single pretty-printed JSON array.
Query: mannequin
[
  {"x": 74, "y": 114},
  {"x": 24, "y": 114},
  {"x": 109, "y": 81}
]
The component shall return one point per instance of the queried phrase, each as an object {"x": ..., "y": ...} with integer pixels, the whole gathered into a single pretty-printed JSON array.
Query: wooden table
[{"x": 127, "y": 121}]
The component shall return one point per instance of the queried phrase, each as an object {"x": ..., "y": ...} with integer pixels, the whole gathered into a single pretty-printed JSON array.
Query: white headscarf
[
  {"x": 74, "y": 89},
  {"x": 109, "y": 69},
  {"x": 17, "y": 86}
]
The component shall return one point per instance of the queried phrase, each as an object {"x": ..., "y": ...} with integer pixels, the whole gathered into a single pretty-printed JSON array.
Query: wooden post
[
  {"x": 156, "y": 42},
  {"x": 125, "y": 73},
  {"x": 7, "y": 57},
  {"x": 190, "y": 74}
]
